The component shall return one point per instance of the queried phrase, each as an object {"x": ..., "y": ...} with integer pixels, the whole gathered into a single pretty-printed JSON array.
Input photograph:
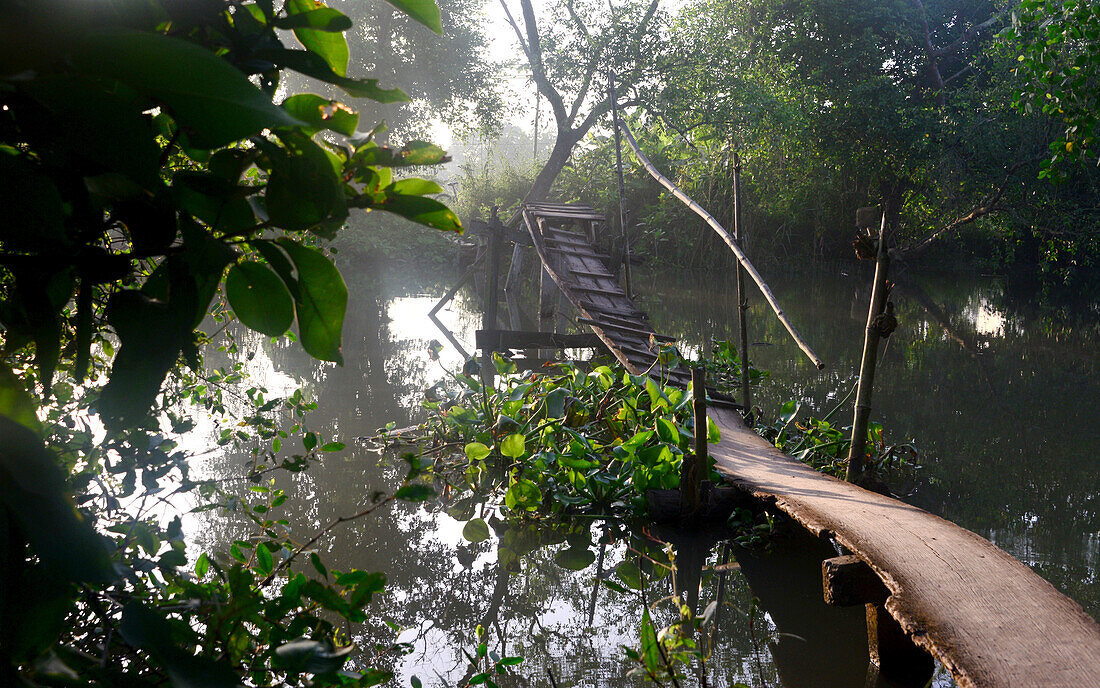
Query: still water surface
[{"x": 1000, "y": 399}]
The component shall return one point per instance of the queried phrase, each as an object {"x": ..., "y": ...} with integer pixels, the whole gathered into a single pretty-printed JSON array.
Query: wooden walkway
[
  {"x": 989, "y": 619},
  {"x": 581, "y": 272}
]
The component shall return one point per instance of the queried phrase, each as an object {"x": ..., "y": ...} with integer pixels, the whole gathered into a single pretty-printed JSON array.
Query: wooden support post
[
  {"x": 742, "y": 294},
  {"x": 496, "y": 232},
  {"x": 857, "y": 453},
  {"x": 893, "y": 652},
  {"x": 515, "y": 270},
  {"x": 847, "y": 581},
  {"x": 693, "y": 470}
]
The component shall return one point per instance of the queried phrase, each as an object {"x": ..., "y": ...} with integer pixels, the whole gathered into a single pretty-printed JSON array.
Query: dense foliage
[
  {"x": 145, "y": 166},
  {"x": 908, "y": 105}
]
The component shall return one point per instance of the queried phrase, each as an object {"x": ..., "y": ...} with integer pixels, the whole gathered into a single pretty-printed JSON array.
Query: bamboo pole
[
  {"x": 856, "y": 464},
  {"x": 742, "y": 294},
  {"x": 622, "y": 192},
  {"x": 721, "y": 231}
]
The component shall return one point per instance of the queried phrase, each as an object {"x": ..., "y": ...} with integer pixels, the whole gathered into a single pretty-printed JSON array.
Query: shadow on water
[{"x": 992, "y": 397}]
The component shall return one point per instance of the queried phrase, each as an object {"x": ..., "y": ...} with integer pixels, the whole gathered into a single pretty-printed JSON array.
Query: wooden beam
[
  {"x": 498, "y": 340},
  {"x": 848, "y": 581}
]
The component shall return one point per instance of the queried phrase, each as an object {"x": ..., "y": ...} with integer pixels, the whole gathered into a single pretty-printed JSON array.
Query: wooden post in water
[
  {"x": 496, "y": 233},
  {"x": 742, "y": 294},
  {"x": 693, "y": 470},
  {"x": 619, "y": 174},
  {"x": 858, "y": 451}
]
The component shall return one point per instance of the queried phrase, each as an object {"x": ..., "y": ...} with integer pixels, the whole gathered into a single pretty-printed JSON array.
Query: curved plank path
[{"x": 986, "y": 616}]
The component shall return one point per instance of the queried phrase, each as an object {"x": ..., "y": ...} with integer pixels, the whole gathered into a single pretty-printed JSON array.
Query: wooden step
[
  {"x": 598, "y": 290},
  {"x": 646, "y": 334},
  {"x": 614, "y": 312},
  {"x": 590, "y": 274}
]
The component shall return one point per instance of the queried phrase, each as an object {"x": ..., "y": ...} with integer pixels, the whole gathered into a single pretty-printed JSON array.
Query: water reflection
[
  {"x": 998, "y": 396},
  {"x": 992, "y": 396}
]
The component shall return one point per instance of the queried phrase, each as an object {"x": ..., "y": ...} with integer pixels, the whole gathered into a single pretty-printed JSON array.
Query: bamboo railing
[{"x": 721, "y": 231}]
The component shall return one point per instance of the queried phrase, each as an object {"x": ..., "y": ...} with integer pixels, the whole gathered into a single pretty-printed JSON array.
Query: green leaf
[
  {"x": 575, "y": 558},
  {"x": 425, "y": 211},
  {"x": 629, "y": 573},
  {"x": 322, "y": 303},
  {"x": 421, "y": 153},
  {"x": 16, "y": 403},
  {"x": 416, "y": 492},
  {"x": 512, "y": 446},
  {"x": 714, "y": 435},
  {"x": 476, "y": 530},
  {"x": 523, "y": 494},
  {"x": 414, "y": 187},
  {"x": 476, "y": 451},
  {"x": 211, "y": 100},
  {"x": 264, "y": 560},
  {"x": 321, "y": 19},
  {"x": 105, "y": 128},
  {"x": 315, "y": 66},
  {"x": 34, "y": 495},
  {"x": 667, "y": 431},
  {"x": 330, "y": 45},
  {"x": 311, "y": 656},
  {"x": 259, "y": 298},
  {"x": 555, "y": 403},
  {"x": 303, "y": 190},
  {"x": 788, "y": 411},
  {"x": 321, "y": 113},
  {"x": 148, "y": 630},
  {"x": 318, "y": 565},
  {"x": 279, "y": 262},
  {"x": 333, "y": 447},
  {"x": 651, "y": 653},
  {"x": 424, "y": 11},
  {"x": 202, "y": 565}
]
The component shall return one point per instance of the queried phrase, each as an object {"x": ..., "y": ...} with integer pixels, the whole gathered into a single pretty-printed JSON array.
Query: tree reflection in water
[{"x": 993, "y": 413}]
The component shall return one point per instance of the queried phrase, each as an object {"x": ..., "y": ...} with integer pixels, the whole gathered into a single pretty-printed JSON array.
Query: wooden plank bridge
[{"x": 939, "y": 588}]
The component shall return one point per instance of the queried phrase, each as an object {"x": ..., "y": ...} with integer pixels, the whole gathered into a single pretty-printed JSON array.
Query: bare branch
[
  {"x": 967, "y": 35},
  {"x": 988, "y": 206},
  {"x": 515, "y": 27},
  {"x": 577, "y": 21},
  {"x": 542, "y": 82}
]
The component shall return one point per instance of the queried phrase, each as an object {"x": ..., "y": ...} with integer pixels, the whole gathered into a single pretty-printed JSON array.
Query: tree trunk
[{"x": 559, "y": 155}]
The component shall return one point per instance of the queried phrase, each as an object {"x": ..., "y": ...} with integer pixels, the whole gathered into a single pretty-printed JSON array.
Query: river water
[{"x": 999, "y": 397}]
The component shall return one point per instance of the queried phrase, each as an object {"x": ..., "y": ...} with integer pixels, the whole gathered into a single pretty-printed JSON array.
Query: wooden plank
[
  {"x": 614, "y": 312},
  {"x": 591, "y": 274},
  {"x": 598, "y": 290},
  {"x": 552, "y": 214},
  {"x": 579, "y": 242},
  {"x": 988, "y": 618},
  {"x": 582, "y": 251},
  {"x": 559, "y": 206},
  {"x": 604, "y": 325},
  {"x": 496, "y": 340}
]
